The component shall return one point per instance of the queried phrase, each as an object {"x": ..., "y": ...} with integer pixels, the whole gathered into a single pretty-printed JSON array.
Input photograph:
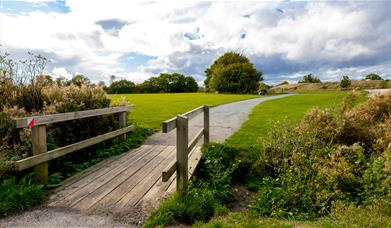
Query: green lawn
[
  {"x": 291, "y": 109},
  {"x": 152, "y": 109}
]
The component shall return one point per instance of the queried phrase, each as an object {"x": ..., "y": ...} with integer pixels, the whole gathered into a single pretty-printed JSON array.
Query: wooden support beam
[
  {"x": 60, "y": 117},
  {"x": 40, "y": 158},
  {"x": 194, "y": 142},
  {"x": 172, "y": 168},
  {"x": 206, "y": 125},
  {"x": 39, "y": 140},
  {"x": 122, "y": 124},
  {"x": 182, "y": 153}
]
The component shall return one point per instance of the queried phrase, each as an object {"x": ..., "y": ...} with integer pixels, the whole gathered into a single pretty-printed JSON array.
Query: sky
[{"x": 135, "y": 40}]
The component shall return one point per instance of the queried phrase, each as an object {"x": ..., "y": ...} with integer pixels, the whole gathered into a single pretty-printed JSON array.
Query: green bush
[
  {"x": 19, "y": 195},
  {"x": 208, "y": 194},
  {"x": 330, "y": 156}
]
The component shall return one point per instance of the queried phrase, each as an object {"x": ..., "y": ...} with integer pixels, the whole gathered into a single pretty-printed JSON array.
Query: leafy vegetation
[
  {"x": 345, "y": 82},
  {"x": 373, "y": 77},
  {"x": 232, "y": 73},
  {"x": 309, "y": 78},
  {"x": 152, "y": 109},
  {"x": 164, "y": 83}
]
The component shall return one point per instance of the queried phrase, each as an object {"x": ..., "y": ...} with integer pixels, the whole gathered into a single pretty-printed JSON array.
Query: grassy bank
[
  {"x": 325, "y": 168},
  {"x": 152, "y": 109},
  {"x": 290, "y": 109}
]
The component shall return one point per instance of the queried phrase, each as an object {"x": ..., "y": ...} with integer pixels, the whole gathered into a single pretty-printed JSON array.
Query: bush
[
  {"x": 330, "y": 156},
  {"x": 208, "y": 193},
  {"x": 19, "y": 195},
  {"x": 373, "y": 77},
  {"x": 345, "y": 82}
]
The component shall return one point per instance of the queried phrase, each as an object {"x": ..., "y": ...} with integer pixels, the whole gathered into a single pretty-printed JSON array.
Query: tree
[
  {"x": 121, "y": 87},
  {"x": 62, "y": 81},
  {"x": 80, "y": 80},
  {"x": 345, "y": 82},
  {"x": 232, "y": 73},
  {"x": 169, "y": 83},
  {"x": 373, "y": 77},
  {"x": 309, "y": 78},
  {"x": 190, "y": 84}
]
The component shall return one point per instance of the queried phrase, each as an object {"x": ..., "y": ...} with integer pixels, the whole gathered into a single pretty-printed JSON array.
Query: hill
[{"x": 356, "y": 84}]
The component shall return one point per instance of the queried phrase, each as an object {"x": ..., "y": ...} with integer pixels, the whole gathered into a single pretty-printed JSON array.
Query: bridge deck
[{"x": 120, "y": 182}]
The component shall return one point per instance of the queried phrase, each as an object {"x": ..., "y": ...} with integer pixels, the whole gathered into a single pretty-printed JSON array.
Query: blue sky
[{"x": 139, "y": 39}]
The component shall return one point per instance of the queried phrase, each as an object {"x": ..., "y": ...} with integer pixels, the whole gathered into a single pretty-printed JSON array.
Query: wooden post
[
  {"x": 122, "y": 124},
  {"x": 206, "y": 125},
  {"x": 182, "y": 153},
  {"x": 41, "y": 171}
]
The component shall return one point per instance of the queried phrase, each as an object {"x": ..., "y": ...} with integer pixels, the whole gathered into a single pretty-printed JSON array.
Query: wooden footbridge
[{"x": 140, "y": 177}]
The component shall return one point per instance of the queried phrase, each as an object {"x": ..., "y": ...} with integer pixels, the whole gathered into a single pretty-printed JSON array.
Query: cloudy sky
[{"x": 138, "y": 39}]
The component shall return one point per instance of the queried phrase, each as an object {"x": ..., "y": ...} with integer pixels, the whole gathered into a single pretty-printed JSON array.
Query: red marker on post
[{"x": 30, "y": 121}]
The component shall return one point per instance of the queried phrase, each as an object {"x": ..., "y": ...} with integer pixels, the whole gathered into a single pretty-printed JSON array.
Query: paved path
[{"x": 224, "y": 119}]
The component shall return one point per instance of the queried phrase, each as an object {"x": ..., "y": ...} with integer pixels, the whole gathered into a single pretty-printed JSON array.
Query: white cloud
[{"x": 297, "y": 36}]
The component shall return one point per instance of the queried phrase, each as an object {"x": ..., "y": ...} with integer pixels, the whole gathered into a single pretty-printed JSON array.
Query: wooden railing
[
  {"x": 39, "y": 138},
  {"x": 183, "y": 148}
]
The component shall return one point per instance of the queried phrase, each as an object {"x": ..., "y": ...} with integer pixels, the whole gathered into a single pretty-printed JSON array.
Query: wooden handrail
[
  {"x": 44, "y": 157},
  {"x": 170, "y": 124},
  {"x": 181, "y": 123},
  {"x": 61, "y": 117},
  {"x": 39, "y": 137}
]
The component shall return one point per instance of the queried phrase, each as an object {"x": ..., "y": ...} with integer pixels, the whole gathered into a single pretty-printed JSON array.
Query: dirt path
[
  {"x": 377, "y": 92},
  {"x": 224, "y": 120}
]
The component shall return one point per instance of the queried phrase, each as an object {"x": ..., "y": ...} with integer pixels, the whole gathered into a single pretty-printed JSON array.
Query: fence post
[
  {"x": 39, "y": 142},
  {"x": 206, "y": 125},
  {"x": 122, "y": 124},
  {"x": 182, "y": 153}
]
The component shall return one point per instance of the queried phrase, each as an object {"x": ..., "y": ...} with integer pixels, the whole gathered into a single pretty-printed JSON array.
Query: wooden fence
[
  {"x": 183, "y": 148},
  {"x": 39, "y": 137}
]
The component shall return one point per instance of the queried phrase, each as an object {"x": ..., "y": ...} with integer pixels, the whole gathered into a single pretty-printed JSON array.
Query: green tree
[
  {"x": 309, "y": 78},
  {"x": 190, "y": 84},
  {"x": 232, "y": 73},
  {"x": 80, "y": 80},
  {"x": 121, "y": 87},
  {"x": 62, "y": 81},
  {"x": 373, "y": 77},
  {"x": 345, "y": 82},
  {"x": 263, "y": 86},
  {"x": 169, "y": 83}
]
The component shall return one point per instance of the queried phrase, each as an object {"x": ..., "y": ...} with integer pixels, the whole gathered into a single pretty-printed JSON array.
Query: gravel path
[{"x": 224, "y": 120}]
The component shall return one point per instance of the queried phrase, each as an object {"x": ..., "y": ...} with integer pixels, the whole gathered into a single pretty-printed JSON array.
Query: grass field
[
  {"x": 291, "y": 109},
  {"x": 152, "y": 109}
]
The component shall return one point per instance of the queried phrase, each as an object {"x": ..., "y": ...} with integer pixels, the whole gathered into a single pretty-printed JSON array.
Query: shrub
[
  {"x": 345, "y": 82},
  {"x": 329, "y": 156},
  {"x": 208, "y": 193},
  {"x": 19, "y": 195}
]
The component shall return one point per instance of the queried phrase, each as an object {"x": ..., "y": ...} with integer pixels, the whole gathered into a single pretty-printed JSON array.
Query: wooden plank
[
  {"x": 169, "y": 171},
  {"x": 171, "y": 124},
  {"x": 206, "y": 125},
  {"x": 41, "y": 158},
  {"x": 182, "y": 137},
  {"x": 60, "y": 117},
  {"x": 194, "y": 142},
  {"x": 138, "y": 192},
  {"x": 122, "y": 124},
  {"x": 60, "y": 196},
  {"x": 112, "y": 189},
  {"x": 111, "y": 173},
  {"x": 158, "y": 190},
  {"x": 41, "y": 171}
]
